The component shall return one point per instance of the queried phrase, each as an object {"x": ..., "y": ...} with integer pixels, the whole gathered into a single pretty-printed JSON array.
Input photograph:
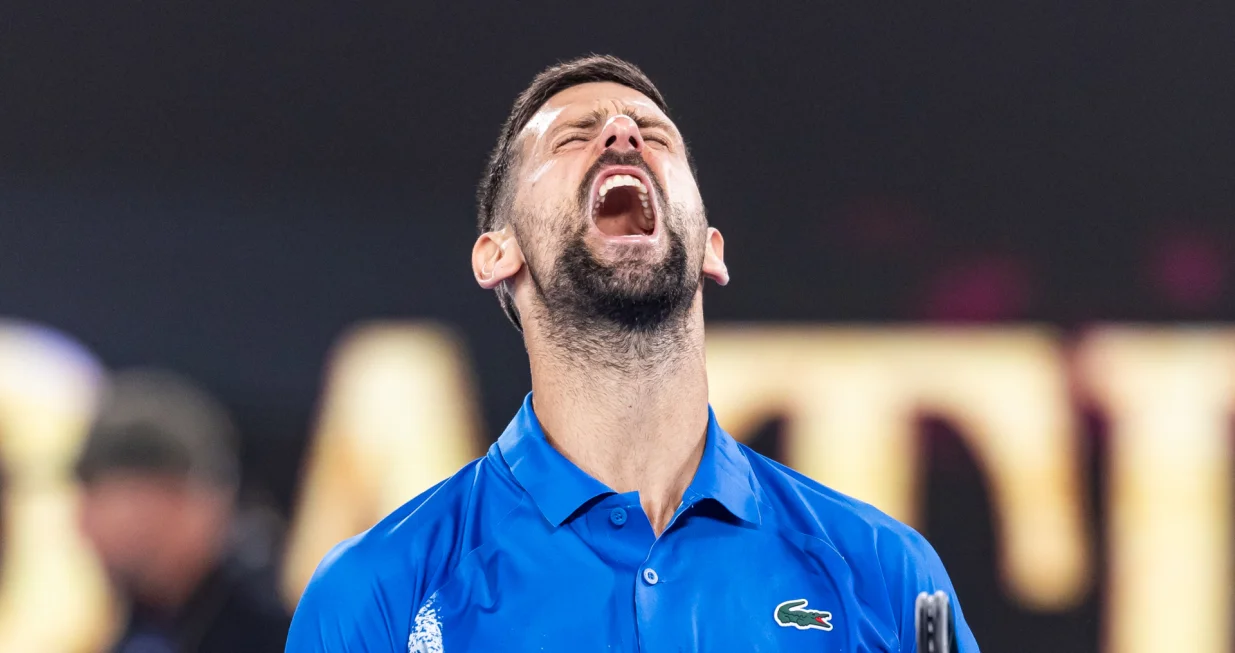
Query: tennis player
[{"x": 614, "y": 513}]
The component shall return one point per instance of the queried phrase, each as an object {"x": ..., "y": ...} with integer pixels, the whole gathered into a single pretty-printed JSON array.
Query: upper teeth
[{"x": 625, "y": 180}]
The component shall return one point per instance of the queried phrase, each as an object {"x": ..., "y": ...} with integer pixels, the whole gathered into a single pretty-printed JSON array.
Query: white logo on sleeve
[{"x": 426, "y": 635}]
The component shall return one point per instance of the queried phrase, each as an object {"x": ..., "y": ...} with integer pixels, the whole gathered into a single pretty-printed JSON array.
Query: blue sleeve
[
  {"x": 347, "y": 609},
  {"x": 912, "y": 566}
]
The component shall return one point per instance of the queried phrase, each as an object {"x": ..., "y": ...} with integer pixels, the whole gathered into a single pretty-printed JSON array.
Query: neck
[
  {"x": 172, "y": 591},
  {"x": 175, "y": 573},
  {"x": 628, "y": 411}
]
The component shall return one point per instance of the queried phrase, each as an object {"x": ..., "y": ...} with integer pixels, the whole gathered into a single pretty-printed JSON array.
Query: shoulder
[
  {"x": 370, "y": 584},
  {"x": 252, "y": 616},
  {"x": 427, "y": 533},
  {"x": 805, "y": 505},
  {"x": 888, "y": 558},
  {"x": 881, "y": 551}
]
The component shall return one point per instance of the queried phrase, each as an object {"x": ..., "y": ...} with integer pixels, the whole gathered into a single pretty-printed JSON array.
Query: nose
[{"x": 621, "y": 134}]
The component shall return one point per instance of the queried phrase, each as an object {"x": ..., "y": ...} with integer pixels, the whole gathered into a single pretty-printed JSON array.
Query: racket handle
[{"x": 933, "y": 623}]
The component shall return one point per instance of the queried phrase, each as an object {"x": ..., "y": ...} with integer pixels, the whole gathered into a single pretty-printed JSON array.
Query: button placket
[{"x": 651, "y": 585}]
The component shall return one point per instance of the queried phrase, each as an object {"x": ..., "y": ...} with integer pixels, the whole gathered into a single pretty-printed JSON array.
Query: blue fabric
[{"x": 523, "y": 551}]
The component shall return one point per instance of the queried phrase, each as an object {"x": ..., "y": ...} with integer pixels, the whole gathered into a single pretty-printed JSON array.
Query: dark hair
[
  {"x": 553, "y": 80},
  {"x": 153, "y": 421}
]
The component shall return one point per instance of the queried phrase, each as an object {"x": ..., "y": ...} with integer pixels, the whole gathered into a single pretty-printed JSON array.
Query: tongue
[
  {"x": 623, "y": 224},
  {"x": 620, "y": 215}
]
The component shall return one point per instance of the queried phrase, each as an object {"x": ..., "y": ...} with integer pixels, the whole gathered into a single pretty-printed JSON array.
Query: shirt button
[
  {"x": 650, "y": 577},
  {"x": 617, "y": 516}
]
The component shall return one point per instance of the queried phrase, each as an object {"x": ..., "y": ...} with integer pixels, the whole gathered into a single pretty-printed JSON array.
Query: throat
[
  {"x": 621, "y": 224},
  {"x": 657, "y": 458},
  {"x": 622, "y": 212},
  {"x": 643, "y": 433}
]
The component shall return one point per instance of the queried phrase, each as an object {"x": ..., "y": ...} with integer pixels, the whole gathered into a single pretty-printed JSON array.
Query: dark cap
[{"x": 159, "y": 422}]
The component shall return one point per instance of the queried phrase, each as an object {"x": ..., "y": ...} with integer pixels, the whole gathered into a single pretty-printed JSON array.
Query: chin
[{"x": 636, "y": 282}]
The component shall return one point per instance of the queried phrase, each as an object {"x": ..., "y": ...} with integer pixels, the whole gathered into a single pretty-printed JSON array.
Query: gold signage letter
[
  {"x": 1170, "y": 395},
  {"x": 398, "y": 415},
  {"x": 54, "y": 595},
  {"x": 851, "y": 398}
]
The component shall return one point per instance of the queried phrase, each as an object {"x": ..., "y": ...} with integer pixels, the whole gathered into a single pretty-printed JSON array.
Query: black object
[
  {"x": 933, "y": 622},
  {"x": 236, "y": 609}
]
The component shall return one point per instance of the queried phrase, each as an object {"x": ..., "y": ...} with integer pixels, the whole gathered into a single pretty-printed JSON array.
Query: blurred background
[{"x": 983, "y": 268}]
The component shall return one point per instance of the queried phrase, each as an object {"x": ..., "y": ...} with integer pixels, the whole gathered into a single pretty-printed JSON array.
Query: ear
[
  {"x": 496, "y": 257},
  {"x": 714, "y": 258}
]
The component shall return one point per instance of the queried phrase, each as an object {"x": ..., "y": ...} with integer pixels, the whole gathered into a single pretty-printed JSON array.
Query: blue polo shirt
[{"x": 523, "y": 551}]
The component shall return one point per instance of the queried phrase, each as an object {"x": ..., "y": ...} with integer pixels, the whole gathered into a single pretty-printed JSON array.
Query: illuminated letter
[
  {"x": 398, "y": 415},
  {"x": 1170, "y": 395},
  {"x": 851, "y": 398}
]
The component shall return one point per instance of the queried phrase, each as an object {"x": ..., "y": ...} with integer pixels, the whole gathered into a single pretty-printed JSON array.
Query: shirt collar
[
  {"x": 559, "y": 487},
  {"x": 725, "y": 475}
]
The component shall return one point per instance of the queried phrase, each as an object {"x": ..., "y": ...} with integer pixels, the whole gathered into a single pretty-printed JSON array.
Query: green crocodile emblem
[{"x": 794, "y": 613}]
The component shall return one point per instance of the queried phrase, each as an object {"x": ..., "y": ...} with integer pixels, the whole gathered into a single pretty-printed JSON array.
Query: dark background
[{"x": 223, "y": 188}]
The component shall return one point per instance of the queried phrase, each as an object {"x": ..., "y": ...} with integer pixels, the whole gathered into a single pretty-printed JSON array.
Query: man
[
  {"x": 159, "y": 475},
  {"x": 614, "y": 513}
]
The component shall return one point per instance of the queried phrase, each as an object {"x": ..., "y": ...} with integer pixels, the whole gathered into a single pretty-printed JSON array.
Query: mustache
[{"x": 614, "y": 158}]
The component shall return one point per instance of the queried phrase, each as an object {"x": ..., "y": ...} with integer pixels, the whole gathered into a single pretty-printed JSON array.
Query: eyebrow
[
  {"x": 590, "y": 120},
  {"x": 598, "y": 116}
]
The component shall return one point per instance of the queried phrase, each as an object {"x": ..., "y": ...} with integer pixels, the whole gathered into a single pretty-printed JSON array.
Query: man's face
[
  {"x": 606, "y": 210},
  {"x": 148, "y": 529}
]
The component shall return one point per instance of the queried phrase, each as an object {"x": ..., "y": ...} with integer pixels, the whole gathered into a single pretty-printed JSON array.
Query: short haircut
[
  {"x": 155, "y": 422},
  {"x": 492, "y": 196}
]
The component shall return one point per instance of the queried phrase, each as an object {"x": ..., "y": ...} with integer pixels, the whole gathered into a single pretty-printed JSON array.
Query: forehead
[{"x": 609, "y": 97}]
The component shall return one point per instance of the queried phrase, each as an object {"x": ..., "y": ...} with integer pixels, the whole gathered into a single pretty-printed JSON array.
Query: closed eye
[{"x": 571, "y": 139}]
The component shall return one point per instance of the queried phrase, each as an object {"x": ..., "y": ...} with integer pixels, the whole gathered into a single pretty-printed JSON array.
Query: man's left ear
[{"x": 714, "y": 258}]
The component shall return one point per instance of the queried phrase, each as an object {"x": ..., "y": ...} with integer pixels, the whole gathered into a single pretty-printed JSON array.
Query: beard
[
  {"x": 632, "y": 296},
  {"x": 630, "y": 307},
  {"x": 582, "y": 296}
]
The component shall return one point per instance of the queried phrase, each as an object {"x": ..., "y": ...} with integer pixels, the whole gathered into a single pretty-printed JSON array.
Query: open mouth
[{"x": 623, "y": 204}]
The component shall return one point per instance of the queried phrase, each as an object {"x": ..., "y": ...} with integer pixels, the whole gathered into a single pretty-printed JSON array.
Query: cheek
[
  {"x": 545, "y": 215},
  {"x": 544, "y": 169},
  {"x": 541, "y": 206},
  {"x": 681, "y": 186},
  {"x": 119, "y": 526}
]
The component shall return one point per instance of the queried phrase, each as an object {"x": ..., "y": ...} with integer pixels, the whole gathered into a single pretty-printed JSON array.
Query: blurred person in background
[
  {"x": 160, "y": 475},
  {"x": 614, "y": 513}
]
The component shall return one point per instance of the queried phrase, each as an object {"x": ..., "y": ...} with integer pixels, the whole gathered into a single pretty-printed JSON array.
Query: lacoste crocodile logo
[{"x": 794, "y": 613}]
